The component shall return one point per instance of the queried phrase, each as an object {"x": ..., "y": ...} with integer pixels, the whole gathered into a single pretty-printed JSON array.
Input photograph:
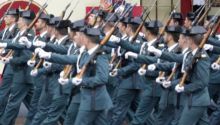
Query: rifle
[
  {"x": 29, "y": 4},
  {"x": 144, "y": 66},
  {"x": 136, "y": 33},
  {"x": 64, "y": 11},
  {"x": 196, "y": 56},
  {"x": 10, "y": 53},
  {"x": 1, "y": 20},
  {"x": 195, "y": 21},
  {"x": 71, "y": 12},
  {"x": 103, "y": 42},
  {"x": 205, "y": 14}
]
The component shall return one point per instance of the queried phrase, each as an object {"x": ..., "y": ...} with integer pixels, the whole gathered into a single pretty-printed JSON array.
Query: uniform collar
[
  {"x": 92, "y": 50},
  {"x": 43, "y": 34},
  {"x": 194, "y": 51},
  {"x": 172, "y": 47},
  {"x": 12, "y": 27},
  {"x": 151, "y": 42},
  {"x": 185, "y": 50},
  {"x": 61, "y": 39}
]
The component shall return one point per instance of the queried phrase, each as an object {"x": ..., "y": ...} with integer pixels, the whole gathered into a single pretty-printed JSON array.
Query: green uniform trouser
[
  {"x": 193, "y": 116},
  {"x": 91, "y": 118},
  {"x": 214, "y": 91},
  {"x": 145, "y": 109},
  {"x": 5, "y": 88},
  {"x": 59, "y": 102},
  {"x": 56, "y": 110},
  {"x": 72, "y": 112},
  {"x": 19, "y": 92},
  {"x": 38, "y": 85},
  {"x": 125, "y": 98},
  {"x": 43, "y": 104},
  {"x": 166, "y": 115}
]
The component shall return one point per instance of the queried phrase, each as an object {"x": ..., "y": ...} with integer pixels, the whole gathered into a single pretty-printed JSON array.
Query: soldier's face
[
  {"x": 78, "y": 39},
  {"x": 91, "y": 18},
  {"x": 182, "y": 40},
  {"x": 166, "y": 37},
  {"x": 50, "y": 30},
  {"x": 187, "y": 23},
  {"x": 40, "y": 24},
  {"x": 21, "y": 23},
  {"x": 121, "y": 27},
  {"x": 9, "y": 19}
]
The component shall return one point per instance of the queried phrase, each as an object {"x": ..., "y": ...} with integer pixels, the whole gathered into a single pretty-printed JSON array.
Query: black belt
[{"x": 92, "y": 88}]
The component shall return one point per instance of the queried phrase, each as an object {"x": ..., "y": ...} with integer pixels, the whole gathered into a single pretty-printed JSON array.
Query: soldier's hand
[
  {"x": 166, "y": 84},
  {"x": 151, "y": 67},
  {"x": 37, "y": 50},
  {"x": 114, "y": 39},
  {"x": 160, "y": 80},
  {"x": 6, "y": 60},
  {"x": 76, "y": 81},
  {"x": 45, "y": 55},
  {"x": 61, "y": 74},
  {"x": 179, "y": 88},
  {"x": 215, "y": 66},
  {"x": 47, "y": 65},
  {"x": 31, "y": 63},
  {"x": 131, "y": 54},
  {"x": 3, "y": 45},
  {"x": 208, "y": 47},
  {"x": 155, "y": 51},
  {"x": 34, "y": 72},
  {"x": 63, "y": 81},
  {"x": 25, "y": 41},
  {"x": 39, "y": 43},
  {"x": 114, "y": 73},
  {"x": 142, "y": 71}
]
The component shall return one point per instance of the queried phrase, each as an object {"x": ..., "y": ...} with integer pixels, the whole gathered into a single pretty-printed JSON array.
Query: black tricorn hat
[
  {"x": 13, "y": 12},
  {"x": 62, "y": 24},
  {"x": 77, "y": 25},
  {"x": 28, "y": 14}
]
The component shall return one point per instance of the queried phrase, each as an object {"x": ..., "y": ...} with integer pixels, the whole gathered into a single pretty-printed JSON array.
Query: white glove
[
  {"x": 160, "y": 80},
  {"x": 114, "y": 39},
  {"x": 6, "y": 60},
  {"x": 151, "y": 67},
  {"x": 166, "y": 84},
  {"x": 63, "y": 81},
  {"x": 155, "y": 51},
  {"x": 47, "y": 65},
  {"x": 76, "y": 81},
  {"x": 45, "y": 55},
  {"x": 3, "y": 45},
  {"x": 208, "y": 47},
  {"x": 25, "y": 41},
  {"x": 38, "y": 50},
  {"x": 142, "y": 71},
  {"x": 179, "y": 88},
  {"x": 215, "y": 66},
  {"x": 61, "y": 74},
  {"x": 39, "y": 43},
  {"x": 34, "y": 72},
  {"x": 31, "y": 63},
  {"x": 114, "y": 73},
  {"x": 131, "y": 54}
]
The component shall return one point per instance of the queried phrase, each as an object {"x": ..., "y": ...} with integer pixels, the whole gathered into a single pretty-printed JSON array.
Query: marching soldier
[
  {"x": 22, "y": 83},
  {"x": 195, "y": 90},
  {"x": 41, "y": 27},
  {"x": 8, "y": 33}
]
